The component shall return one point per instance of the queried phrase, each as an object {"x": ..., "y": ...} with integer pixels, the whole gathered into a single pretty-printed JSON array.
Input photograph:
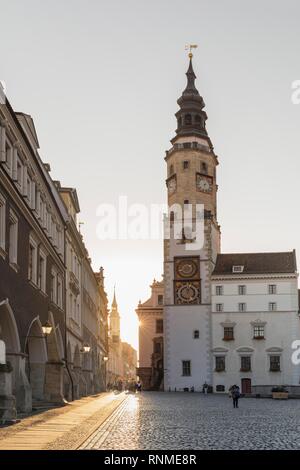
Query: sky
[{"x": 101, "y": 80}]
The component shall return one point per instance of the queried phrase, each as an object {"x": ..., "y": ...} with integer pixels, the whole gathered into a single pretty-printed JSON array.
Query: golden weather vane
[{"x": 190, "y": 47}]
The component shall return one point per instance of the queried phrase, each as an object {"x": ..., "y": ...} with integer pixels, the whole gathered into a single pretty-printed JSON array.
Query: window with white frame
[
  {"x": 272, "y": 288},
  {"x": 272, "y": 306},
  {"x": 53, "y": 286},
  {"x": 13, "y": 238},
  {"x": 8, "y": 157},
  {"x": 32, "y": 261},
  {"x": 219, "y": 307},
  {"x": 59, "y": 291},
  {"x": 275, "y": 363},
  {"x": 219, "y": 290},
  {"x": 42, "y": 271},
  {"x": 28, "y": 189},
  {"x": 259, "y": 332},
  {"x": 19, "y": 173},
  {"x": 2, "y": 222},
  {"x": 220, "y": 363},
  {"x": 242, "y": 307},
  {"x": 242, "y": 290}
]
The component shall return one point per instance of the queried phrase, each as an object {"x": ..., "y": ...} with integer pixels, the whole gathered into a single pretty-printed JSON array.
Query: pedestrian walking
[{"x": 235, "y": 393}]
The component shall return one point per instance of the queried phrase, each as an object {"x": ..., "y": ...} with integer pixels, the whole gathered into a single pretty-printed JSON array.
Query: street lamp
[
  {"x": 47, "y": 328},
  {"x": 85, "y": 348}
]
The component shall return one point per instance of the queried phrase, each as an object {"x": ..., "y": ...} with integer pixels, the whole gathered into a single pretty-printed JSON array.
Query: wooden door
[{"x": 246, "y": 385}]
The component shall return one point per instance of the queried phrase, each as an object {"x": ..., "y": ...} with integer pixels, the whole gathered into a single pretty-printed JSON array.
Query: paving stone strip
[
  {"x": 62, "y": 428},
  {"x": 98, "y": 437}
]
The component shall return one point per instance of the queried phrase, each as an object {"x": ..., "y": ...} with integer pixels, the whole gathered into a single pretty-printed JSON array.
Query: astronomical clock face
[
  {"x": 187, "y": 292},
  {"x": 187, "y": 286},
  {"x": 204, "y": 183},
  {"x": 186, "y": 268},
  {"x": 171, "y": 185}
]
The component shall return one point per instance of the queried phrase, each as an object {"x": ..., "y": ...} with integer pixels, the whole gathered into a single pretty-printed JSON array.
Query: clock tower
[{"x": 191, "y": 183}]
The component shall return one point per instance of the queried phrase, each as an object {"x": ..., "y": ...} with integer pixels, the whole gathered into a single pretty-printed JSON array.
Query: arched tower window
[
  {"x": 204, "y": 168},
  {"x": 198, "y": 119},
  {"x": 179, "y": 121},
  {"x": 188, "y": 119}
]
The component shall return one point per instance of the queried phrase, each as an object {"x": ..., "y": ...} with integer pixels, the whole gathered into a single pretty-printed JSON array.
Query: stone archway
[
  {"x": 20, "y": 385},
  {"x": 36, "y": 350},
  {"x": 9, "y": 330}
]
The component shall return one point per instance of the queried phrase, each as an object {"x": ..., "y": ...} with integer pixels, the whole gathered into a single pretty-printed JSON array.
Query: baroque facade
[
  {"x": 51, "y": 302},
  {"x": 197, "y": 324},
  {"x": 150, "y": 315}
]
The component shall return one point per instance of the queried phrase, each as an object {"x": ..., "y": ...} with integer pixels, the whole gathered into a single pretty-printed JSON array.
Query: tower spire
[
  {"x": 114, "y": 302},
  {"x": 191, "y": 117}
]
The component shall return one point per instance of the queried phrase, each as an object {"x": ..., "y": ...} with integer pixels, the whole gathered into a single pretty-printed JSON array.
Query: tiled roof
[{"x": 256, "y": 263}]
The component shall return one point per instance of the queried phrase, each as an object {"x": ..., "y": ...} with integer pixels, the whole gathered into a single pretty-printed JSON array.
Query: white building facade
[{"x": 255, "y": 321}]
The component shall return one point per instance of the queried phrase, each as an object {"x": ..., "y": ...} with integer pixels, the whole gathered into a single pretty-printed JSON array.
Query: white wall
[{"x": 282, "y": 327}]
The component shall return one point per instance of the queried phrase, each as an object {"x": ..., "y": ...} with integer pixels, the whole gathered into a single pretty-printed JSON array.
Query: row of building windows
[
  {"x": 242, "y": 289},
  {"x": 258, "y": 332},
  {"x": 24, "y": 180},
  {"x": 245, "y": 364},
  {"x": 186, "y": 166},
  {"x": 242, "y": 307},
  {"x": 37, "y": 259}
]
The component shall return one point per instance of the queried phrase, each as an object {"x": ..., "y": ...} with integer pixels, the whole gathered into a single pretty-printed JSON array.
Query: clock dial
[
  {"x": 187, "y": 268},
  {"x": 172, "y": 185},
  {"x": 187, "y": 292},
  {"x": 204, "y": 183}
]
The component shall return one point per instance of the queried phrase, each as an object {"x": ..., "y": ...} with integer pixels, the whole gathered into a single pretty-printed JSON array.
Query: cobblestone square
[{"x": 169, "y": 421}]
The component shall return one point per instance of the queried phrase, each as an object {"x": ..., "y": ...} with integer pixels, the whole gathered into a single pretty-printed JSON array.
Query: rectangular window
[
  {"x": 219, "y": 307},
  {"x": 13, "y": 238},
  {"x": 8, "y": 157},
  {"x": 159, "y": 326},
  {"x": 219, "y": 290},
  {"x": 28, "y": 189},
  {"x": 272, "y": 306},
  {"x": 228, "y": 333},
  {"x": 237, "y": 269},
  {"x": 53, "y": 294},
  {"x": 242, "y": 290},
  {"x": 59, "y": 292},
  {"x": 220, "y": 363},
  {"x": 242, "y": 307},
  {"x": 245, "y": 363},
  {"x": 160, "y": 299},
  {"x": 272, "y": 288},
  {"x": 259, "y": 332},
  {"x": 42, "y": 271},
  {"x": 2, "y": 222},
  {"x": 196, "y": 334},
  {"x": 275, "y": 363},
  {"x": 157, "y": 348},
  {"x": 32, "y": 261},
  {"x": 186, "y": 368},
  {"x": 19, "y": 175},
  {"x": 186, "y": 164}
]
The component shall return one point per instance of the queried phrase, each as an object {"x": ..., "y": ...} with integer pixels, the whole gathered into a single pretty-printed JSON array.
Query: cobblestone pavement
[
  {"x": 61, "y": 428},
  {"x": 167, "y": 421}
]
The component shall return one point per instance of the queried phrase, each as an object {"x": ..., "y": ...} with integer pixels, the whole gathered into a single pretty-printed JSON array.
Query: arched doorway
[
  {"x": 9, "y": 330},
  {"x": 36, "y": 350}
]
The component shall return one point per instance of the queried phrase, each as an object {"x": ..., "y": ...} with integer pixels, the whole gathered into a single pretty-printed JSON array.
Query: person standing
[{"x": 235, "y": 396}]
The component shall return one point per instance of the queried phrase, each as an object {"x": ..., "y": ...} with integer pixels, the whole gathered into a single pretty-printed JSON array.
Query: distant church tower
[
  {"x": 191, "y": 179},
  {"x": 114, "y": 321}
]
